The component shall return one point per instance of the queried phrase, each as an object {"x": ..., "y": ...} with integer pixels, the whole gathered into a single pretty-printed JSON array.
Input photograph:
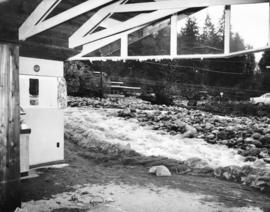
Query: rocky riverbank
[{"x": 249, "y": 136}]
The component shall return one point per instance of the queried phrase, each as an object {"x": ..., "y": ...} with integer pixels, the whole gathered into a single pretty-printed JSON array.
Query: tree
[
  {"x": 265, "y": 61},
  {"x": 81, "y": 80},
  {"x": 188, "y": 37},
  {"x": 209, "y": 33},
  {"x": 236, "y": 43}
]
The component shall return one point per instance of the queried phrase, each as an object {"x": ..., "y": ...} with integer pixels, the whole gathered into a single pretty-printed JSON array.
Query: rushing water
[{"x": 101, "y": 125}]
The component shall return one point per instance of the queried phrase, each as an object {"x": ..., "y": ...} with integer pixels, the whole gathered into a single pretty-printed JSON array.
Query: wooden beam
[
  {"x": 173, "y": 41},
  {"x": 269, "y": 25},
  {"x": 169, "y": 57},
  {"x": 88, "y": 48},
  {"x": 148, "y": 30},
  {"x": 124, "y": 46},
  {"x": 40, "y": 11},
  {"x": 9, "y": 128},
  {"x": 174, "y": 4},
  {"x": 136, "y": 21},
  {"x": 89, "y": 26},
  {"x": 32, "y": 27},
  {"x": 227, "y": 29}
]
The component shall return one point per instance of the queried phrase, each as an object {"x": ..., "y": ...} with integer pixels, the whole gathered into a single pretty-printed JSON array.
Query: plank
[
  {"x": 174, "y": 4},
  {"x": 9, "y": 128}
]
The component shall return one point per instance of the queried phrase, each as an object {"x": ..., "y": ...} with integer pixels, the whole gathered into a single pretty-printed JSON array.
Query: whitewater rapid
[{"x": 100, "y": 125}]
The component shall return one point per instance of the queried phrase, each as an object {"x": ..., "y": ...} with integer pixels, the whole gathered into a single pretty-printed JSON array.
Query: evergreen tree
[
  {"x": 208, "y": 32},
  {"x": 221, "y": 27},
  {"x": 265, "y": 61},
  {"x": 236, "y": 43},
  {"x": 188, "y": 37},
  {"x": 210, "y": 39}
]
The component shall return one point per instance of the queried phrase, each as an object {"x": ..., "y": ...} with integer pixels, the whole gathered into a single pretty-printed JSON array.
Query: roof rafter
[
  {"x": 92, "y": 40},
  {"x": 169, "y": 57},
  {"x": 101, "y": 18},
  {"x": 35, "y": 23},
  {"x": 136, "y": 21},
  {"x": 174, "y": 4}
]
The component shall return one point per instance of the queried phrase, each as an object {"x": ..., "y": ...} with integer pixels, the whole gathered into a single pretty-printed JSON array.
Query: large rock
[
  {"x": 252, "y": 152},
  {"x": 249, "y": 140},
  {"x": 265, "y": 140},
  {"x": 232, "y": 173},
  {"x": 262, "y": 182},
  {"x": 190, "y": 132},
  {"x": 267, "y": 160},
  {"x": 160, "y": 171},
  {"x": 256, "y": 135},
  {"x": 196, "y": 163}
]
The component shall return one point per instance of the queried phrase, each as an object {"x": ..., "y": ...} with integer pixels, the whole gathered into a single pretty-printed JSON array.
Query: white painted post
[
  {"x": 269, "y": 26},
  {"x": 124, "y": 46},
  {"x": 173, "y": 50},
  {"x": 227, "y": 33}
]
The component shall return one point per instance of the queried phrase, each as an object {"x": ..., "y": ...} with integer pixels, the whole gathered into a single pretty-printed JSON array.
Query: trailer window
[{"x": 33, "y": 91}]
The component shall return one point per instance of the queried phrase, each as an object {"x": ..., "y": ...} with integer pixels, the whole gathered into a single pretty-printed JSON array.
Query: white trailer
[{"x": 43, "y": 98}]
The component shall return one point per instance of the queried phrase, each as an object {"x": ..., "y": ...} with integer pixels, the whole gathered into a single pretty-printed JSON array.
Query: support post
[
  {"x": 9, "y": 128},
  {"x": 227, "y": 30},
  {"x": 124, "y": 46},
  {"x": 269, "y": 26},
  {"x": 173, "y": 45}
]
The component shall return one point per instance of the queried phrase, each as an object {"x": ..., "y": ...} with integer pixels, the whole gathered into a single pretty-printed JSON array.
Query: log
[{"x": 9, "y": 128}]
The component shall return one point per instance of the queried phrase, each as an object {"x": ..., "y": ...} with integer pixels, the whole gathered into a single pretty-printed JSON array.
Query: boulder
[
  {"x": 253, "y": 141},
  {"x": 97, "y": 200},
  {"x": 249, "y": 140},
  {"x": 208, "y": 126},
  {"x": 196, "y": 163},
  {"x": 262, "y": 182},
  {"x": 160, "y": 171},
  {"x": 266, "y": 131},
  {"x": 264, "y": 153},
  {"x": 250, "y": 158},
  {"x": 190, "y": 132},
  {"x": 256, "y": 136},
  {"x": 232, "y": 173},
  {"x": 218, "y": 172},
  {"x": 210, "y": 136},
  {"x": 265, "y": 140},
  {"x": 267, "y": 160},
  {"x": 252, "y": 152}
]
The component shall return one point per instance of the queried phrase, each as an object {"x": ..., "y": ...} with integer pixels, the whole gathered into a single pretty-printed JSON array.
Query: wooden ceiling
[
  {"x": 54, "y": 43},
  {"x": 50, "y": 44}
]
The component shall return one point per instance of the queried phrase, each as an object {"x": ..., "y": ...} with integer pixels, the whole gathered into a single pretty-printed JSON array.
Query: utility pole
[{"x": 9, "y": 128}]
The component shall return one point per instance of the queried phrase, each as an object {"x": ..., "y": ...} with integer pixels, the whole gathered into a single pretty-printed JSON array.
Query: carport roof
[{"x": 55, "y": 42}]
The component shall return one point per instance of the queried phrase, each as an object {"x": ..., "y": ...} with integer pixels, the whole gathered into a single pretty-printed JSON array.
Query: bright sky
[{"x": 250, "y": 21}]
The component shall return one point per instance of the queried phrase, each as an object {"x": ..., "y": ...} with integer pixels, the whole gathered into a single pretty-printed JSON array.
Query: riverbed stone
[
  {"x": 267, "y": 160},
  {"x": 196, "y": 163},
  {"x": 250, "y": 158},
  {"x": 190, "y": 132},
  {"x": 252, "y": 152},
  {"x": 266, "y": 139},
  {"x": 160, "y": 171},
  {"x": 256, "y": 135}
]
